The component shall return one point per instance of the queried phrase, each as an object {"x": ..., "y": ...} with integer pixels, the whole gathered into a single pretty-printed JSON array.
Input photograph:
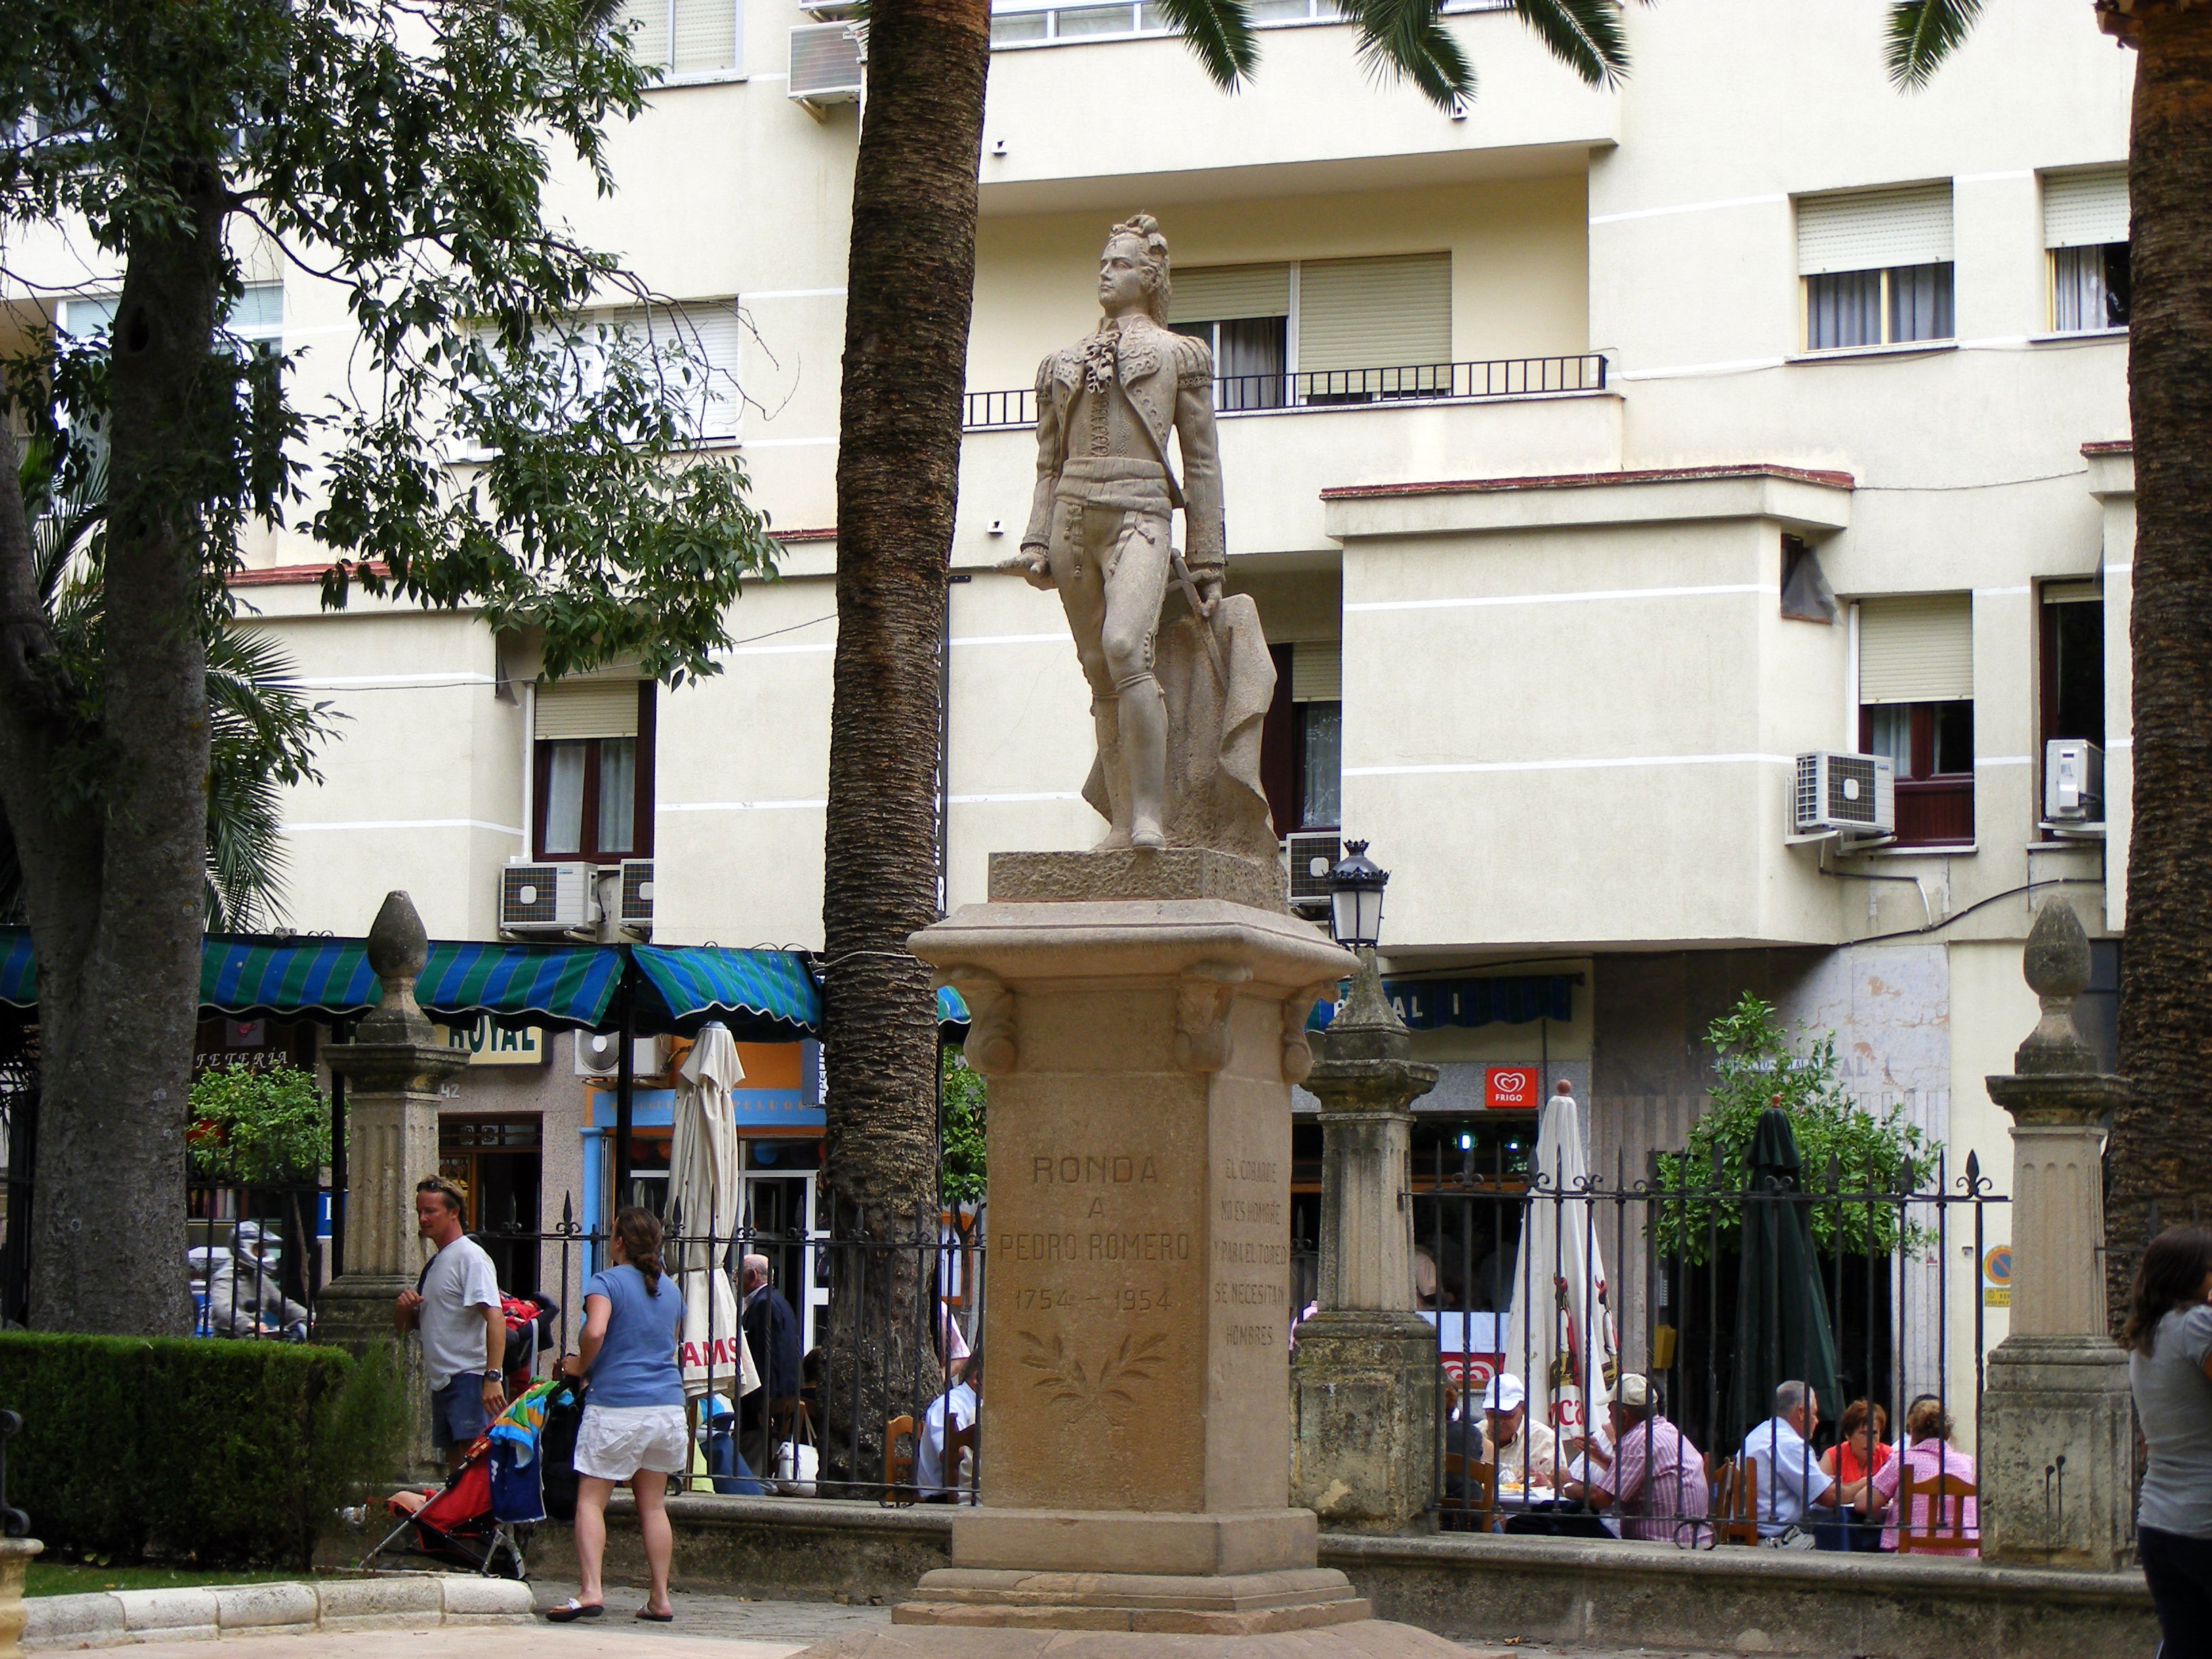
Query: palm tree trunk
[
  {"x": 909, "y": 294},
  {"x": 2161, "y": 1142}
]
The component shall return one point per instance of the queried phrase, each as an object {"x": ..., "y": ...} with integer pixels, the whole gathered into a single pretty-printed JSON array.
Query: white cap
[
  {"x": 1634, "y": 1391},
  {"x": 1504, "y": 1394}
]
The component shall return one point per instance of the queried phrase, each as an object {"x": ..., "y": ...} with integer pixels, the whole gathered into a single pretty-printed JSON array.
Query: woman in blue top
[{"x": 633, "y": 1427}]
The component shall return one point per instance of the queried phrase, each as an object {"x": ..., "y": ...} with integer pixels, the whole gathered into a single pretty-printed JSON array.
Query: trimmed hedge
[{"x": 219, "y": 1453}]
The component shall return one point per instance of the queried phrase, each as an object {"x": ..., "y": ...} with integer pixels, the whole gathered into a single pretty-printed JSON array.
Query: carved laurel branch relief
[
  {"x": 1203, "y": 998},
  {"x": 1067, "y": 1381}
]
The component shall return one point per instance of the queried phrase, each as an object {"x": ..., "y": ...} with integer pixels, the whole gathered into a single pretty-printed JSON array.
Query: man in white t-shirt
[
  {"x": 1791, "y": 1482},
  {"x": 953, "y": 1409},
  {"x": 455, "y": 1306}
]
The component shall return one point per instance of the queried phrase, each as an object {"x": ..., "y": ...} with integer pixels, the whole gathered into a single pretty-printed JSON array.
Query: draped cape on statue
[{"x": 1215, "y": 795}]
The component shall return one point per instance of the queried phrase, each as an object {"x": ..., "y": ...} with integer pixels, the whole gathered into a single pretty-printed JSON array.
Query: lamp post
[
  {"x": 1364, "y": 1373},
  {"x": 1355, "y": 898}
]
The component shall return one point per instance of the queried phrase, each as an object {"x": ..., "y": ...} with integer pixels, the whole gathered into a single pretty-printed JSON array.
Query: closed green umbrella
[{"x": 1782, "y": 1330}]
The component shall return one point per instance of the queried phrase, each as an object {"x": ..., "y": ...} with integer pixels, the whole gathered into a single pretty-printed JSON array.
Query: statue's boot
[
  {"x": 1106, "y": 727},
  {"x": 1144, "y": 749}
]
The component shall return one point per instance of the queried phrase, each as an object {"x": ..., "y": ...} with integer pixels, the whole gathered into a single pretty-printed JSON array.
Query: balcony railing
[
  {"x": 1133, "y": 19},
  {"x": 1340, "y": 388}
]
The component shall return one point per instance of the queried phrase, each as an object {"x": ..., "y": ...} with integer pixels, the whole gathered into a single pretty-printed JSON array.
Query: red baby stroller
[{"x": 455, "y": 1524}]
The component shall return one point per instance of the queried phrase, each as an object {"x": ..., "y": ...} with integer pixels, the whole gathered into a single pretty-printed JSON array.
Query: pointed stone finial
[
  {"x": 2056, "y": 967},
  {"x": 398, "y": 948},
  {"x": 1367, "y": 1027}
]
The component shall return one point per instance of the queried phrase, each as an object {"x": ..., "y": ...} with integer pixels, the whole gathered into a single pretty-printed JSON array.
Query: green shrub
[
  {"x": 258, "y": 1123},
  {"x": 223, "y": 1454}
]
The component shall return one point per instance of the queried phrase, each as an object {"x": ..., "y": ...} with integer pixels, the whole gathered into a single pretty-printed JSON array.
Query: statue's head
[{"x": 1134, "y": 268}]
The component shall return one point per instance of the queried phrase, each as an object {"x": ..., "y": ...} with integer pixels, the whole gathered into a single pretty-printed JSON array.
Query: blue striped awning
[
  {"x": 330, "y": 979},
  {"x": 950, "y": 1010},
  {"x": 762, "y": 996}
]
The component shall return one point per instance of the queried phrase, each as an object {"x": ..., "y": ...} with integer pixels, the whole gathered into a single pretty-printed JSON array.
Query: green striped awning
[
  {"x": 762, "y": 996},
  {"x": 330, "y": 979}
]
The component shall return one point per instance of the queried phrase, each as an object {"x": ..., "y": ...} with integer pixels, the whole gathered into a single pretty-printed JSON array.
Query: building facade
[{"x": 1592, "y": 454}]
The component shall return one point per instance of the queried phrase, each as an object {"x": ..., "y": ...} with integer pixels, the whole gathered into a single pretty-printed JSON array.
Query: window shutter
[
  {"x": 711, "y": 331},
  {"x": 1209, "y": 294},
  {"x": 1374, "y": 313},
  {"x": 1919, "y": 649},
  {"x": 2085, "y": 209},
  {"x": 587, "y": 708},
  {"x": 647, "y": 23},
  {"x": 1317, "y": 670},
  {"x": 706, "y": 37},
  {"x": 1874, "y": 229}
]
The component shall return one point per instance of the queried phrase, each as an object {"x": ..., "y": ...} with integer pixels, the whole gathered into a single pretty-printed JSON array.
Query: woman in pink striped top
[{"x": 1931, "y": 1452}]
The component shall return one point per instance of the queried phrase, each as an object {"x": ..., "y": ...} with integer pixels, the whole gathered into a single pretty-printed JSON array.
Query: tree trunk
[
  {"x": 2161, "y": 1143},
  {"x": 909, "y": 294},
  {"x": 114, "y": 892}
]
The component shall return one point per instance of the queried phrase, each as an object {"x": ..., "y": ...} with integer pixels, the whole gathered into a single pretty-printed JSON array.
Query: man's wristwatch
[{"x": 494, "y": 1376}]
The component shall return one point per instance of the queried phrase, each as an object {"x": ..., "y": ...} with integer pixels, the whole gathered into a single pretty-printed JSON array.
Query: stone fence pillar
[
  {"x": 1363, "y": 1376},
  {"x": 393, "y": 1069},
  {"x": 2057, "y": 1462}
]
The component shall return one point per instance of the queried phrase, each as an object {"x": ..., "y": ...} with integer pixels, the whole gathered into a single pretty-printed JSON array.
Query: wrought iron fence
[
  {"x": 258, "y": 1256},
  {"x": 831, "y": 1419},
  {"x": 1715, "y": 1293},
  {"x": 1470, "y": 382}
]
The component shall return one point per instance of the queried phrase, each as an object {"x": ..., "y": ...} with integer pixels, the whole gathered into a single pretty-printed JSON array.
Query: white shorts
[{"x": 613, "y": 1443}]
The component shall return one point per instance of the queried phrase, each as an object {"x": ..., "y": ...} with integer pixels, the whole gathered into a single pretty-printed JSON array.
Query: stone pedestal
[
  {"x": 393, "y": 1069},
  {"x": 1140, "y": 1049},
  {"x": 1363, "y": 1377},
  {"x": 15, "y": 1555},
  {"x": 2057, "y": 1454}
]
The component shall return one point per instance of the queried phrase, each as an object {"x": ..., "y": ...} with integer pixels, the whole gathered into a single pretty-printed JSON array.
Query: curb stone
[{"x": 122, "y": 1618}]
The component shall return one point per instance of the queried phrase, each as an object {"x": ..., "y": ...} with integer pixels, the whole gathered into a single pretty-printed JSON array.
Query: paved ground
[{"x": 707, "y": 1627}]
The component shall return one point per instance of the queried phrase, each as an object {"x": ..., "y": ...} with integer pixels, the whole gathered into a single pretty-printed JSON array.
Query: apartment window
[
  {"x": 2070, "y": 662},
  {"x": 1243, "y": 312},
  {"x": 2085, "y": 229},
  {"x": 1301, "y": 742},
  {"x": 594, "y": 760},
  {"x": 1322, "y": 331},
  {"x": 687, "y": 39},
  {"x": 1916, "y": 658},
  {"x": 1876, "y": 267},
  {"x": 708, "y": 332},
  {"x": 258, "y": 314}
]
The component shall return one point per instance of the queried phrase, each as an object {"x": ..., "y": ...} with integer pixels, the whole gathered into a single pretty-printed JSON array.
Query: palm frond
[
  {"x": 1220, "y": 33},
  {"x": 1584, "y": 34},
  {"x": 245, "y": 859},
  {"x": 1923, "y": 34},
  {"x": 1405, "y": 38}
]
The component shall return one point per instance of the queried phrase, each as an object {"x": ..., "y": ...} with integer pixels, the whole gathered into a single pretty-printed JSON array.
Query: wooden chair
[
  {"x": 898, "y": 1465},
  {"x": 1480, "y": 1507},
  {"x": 1936, "y": 1538},
  {"x": 1736, "y": 1502},
  {"x": 959, "y": 1440}
]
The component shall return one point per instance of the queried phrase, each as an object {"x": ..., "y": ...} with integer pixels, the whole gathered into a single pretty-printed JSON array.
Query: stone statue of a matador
[{"x": 1177, "y": 710}]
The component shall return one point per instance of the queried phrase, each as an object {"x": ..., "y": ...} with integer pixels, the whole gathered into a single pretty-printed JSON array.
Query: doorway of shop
[
  {"x": 778, "y": 1207},
  {"x": 498, "y": 1161}
]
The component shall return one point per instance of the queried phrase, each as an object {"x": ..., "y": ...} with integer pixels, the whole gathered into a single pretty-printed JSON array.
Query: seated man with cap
[
  {"x": 1522, "y": 1450},
  {"x": 1655, "y": 1480}
]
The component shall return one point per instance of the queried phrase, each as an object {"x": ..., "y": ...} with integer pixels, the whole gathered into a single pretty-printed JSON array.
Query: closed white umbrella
[
  {"x": 1561, "y": 1328},
  {"x": 703, "y": 1196}
]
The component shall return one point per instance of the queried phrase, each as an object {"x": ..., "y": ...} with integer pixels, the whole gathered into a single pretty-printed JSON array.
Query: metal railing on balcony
[
  {"x": 1134, "y": 19},
  {"x": 1254, "y": 394}
]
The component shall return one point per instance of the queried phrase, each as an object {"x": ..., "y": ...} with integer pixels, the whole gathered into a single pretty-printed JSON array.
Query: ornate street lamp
[{"x": 1355, "y": 898}]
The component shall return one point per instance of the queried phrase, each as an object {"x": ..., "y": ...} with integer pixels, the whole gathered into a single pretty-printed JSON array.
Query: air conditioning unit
[
  {"x": 1311, "y": 855},
  {"x": 636, "y": 892},
  {"x": 1845, "y": 795},
  {"x": 599, "y": 1054},
  {"x": 545, "y": 898},
  {"x": 827, "y": 62},
  {"x": 2073, "y": 780}
]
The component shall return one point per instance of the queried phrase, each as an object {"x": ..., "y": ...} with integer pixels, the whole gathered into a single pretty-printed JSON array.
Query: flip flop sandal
[
  {"x": 571, "y": 1610},
  {"x": 656, "y": 1617}
]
